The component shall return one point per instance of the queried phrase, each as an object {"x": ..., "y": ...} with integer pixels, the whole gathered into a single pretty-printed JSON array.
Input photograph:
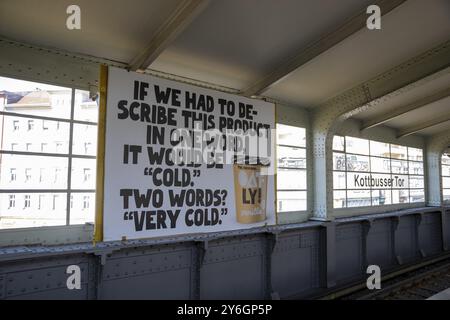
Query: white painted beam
[
  {"x": 317, "y": 47},
  {"x": 178, "y": 21},
  {"x": 405, "y": 109},
  {"x": 422, "y": 126}
]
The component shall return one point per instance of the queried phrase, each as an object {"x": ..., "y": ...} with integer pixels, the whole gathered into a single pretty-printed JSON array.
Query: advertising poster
[{"x": 180, "y": 159}]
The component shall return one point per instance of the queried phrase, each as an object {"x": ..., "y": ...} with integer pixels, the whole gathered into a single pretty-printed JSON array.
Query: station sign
[{"x": 180, "y": 159}]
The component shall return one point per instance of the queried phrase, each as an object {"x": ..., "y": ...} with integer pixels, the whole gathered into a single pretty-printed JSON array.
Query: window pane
[
  {"x": 446, "y": 158},
  {"x": 446, "y": 193},
  {"x": 338, "y": 161},
  {"x": 83, "y": 173},
  {"x": 291, "y": 201},
  {"x": 338, "y": 143},
  {"x": 415, "y": 167},
  {"x": 289, "y": 179},
  {"x": 85, "y": 109},
  {"x": 289, "y": 157},
  {"x": 24, "y": 134},
  {"x": 358, "y": 198},
  {"x": 357, "y": 163},
  {"x": 338, "y": 180},
  {"x": 356, "y": 145},
  {"x": 379, "y": 149},
  {"x": 446, "y": 171},
  {"x": 400, "y": 196},
  {"x": 291, "y": 136},
  {"x": 399, "y": 166},
  {"x": 446, "y": 182},
  {"x": 82, "y": 208},
  {"x": 415, "y": 154},
  {"x": 381, "y": 197},
  {"x": 24, "y": 210},
  {"x": 339, "y": 200},
  {"x": 33, "y": 172},
  {"x": 358, "y": 181},
  {"x": 380, "y": 165},
  {"x": 34, "y": 98},
  {"x": 85, "y": 140},
  {"x": 416, "y": 182},
  {"x": 417, "y": 196},
  {"x": 400, "y": 182},
  {"x": 398, "y": 152}
]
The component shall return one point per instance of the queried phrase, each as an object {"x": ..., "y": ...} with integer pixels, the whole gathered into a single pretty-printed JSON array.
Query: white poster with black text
[{"x": 181, "y": 159}]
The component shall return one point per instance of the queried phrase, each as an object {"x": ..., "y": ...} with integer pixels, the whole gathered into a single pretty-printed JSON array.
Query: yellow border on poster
[{"x": 100, "y": 186}]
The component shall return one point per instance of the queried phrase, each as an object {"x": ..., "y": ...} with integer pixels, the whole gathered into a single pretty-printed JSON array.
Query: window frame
[
  {"x": 305, "y": 170},
  {"x": 442, "y": 176},
  {"x": 344, "y": 153},
  {"x": 69, "y": 155}
]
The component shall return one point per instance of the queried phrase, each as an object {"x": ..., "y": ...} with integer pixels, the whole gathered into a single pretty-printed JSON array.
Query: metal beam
[
  {"x": 405, "y": 109},
  {"x": 317, "y": 47},
  {"x": 422, "y": 126},
  {"x": 179, "y": 20}
]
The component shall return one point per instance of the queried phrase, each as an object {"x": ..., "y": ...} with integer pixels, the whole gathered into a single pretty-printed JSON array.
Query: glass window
[
  {"x": 357, "y": 163},
  {"x": 415, "y": 154},
  {"x": 356, "y": 145},
  {"x": 398, "y": 152},
  {"x": 380, "y": 165},
  {"x": 338, "y": 143},
  {"x": 445, "y": 172},
  {"x": 291, "y": 169},
  {"x": 288, "y": 201},
  {"x": 339, "y": 161},
  {"x": 372, "y": 173},
  {"x": 380, "y": 149},
  {"x": 37, "y": 122}
]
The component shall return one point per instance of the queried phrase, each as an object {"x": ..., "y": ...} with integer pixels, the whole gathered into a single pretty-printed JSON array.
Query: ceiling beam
[
  {"x": 422, "y": 126},
  {"x": 178, "y": 21},
  {"x": 405, "y": 109},
  {"x": 317, "y": 47}
]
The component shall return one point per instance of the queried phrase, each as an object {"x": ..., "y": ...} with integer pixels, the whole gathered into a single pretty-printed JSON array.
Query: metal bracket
[
  {"x": 202, "y": 247},
  {"x": 273, "y": 239}
]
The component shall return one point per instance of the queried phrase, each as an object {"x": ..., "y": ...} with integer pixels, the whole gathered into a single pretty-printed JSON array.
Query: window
[
  {"x": 27, "y": 174},
  {"x": 15, "y": 125},
  {"x": 291, "y": 168},
  {"x": 12, "y": 201},
  {"x": 372, "y": 173},
  {"x": 86, "y": 202},
  {"x": 46, "y": 153},
  {"x": 41, "y": 201},
  {"x": 56, "y": 174},
  {"x": 87, "y": 174},
  {"x": 87, "y": 147},
  {"x": 27, "y": 201},
  {"x": 41, "y": 174},
  {"x": 30, "y": 125},
  {"x": 55, "y": 202},
  {"x": 445, "y": 172},
  {"x": 13, "y": 174}
]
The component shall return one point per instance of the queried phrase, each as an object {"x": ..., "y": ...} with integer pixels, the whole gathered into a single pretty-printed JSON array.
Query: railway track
[{"x": 418, "y": 284}]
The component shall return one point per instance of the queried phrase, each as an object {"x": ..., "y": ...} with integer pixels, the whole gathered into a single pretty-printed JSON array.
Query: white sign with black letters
[{"x": 180, "y": 159}]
